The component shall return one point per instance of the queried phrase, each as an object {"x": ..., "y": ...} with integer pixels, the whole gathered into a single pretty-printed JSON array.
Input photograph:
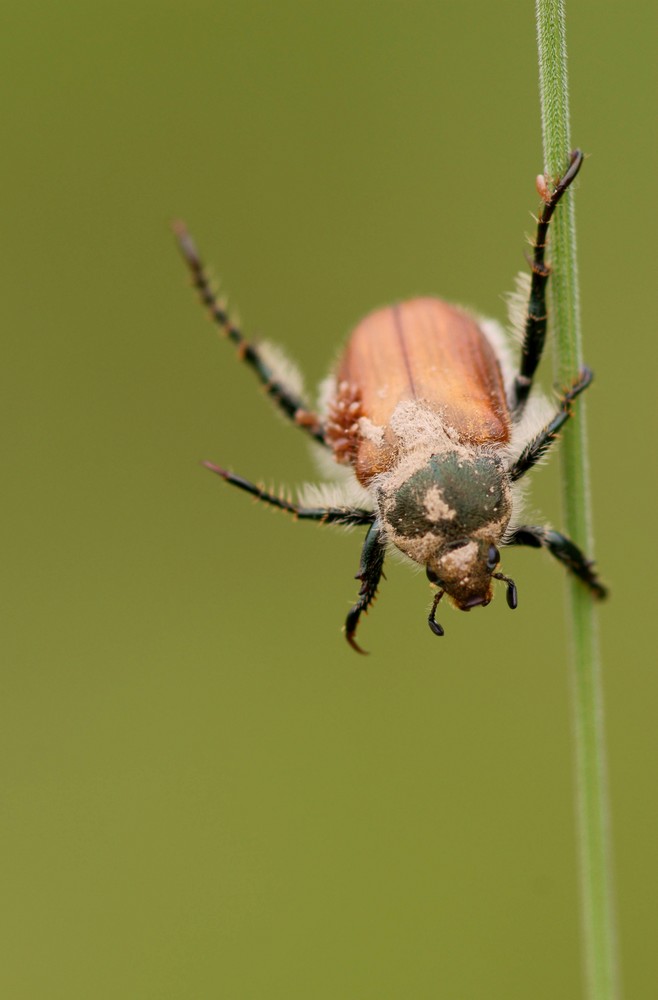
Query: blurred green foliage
[{"x": 205, "y": 792}]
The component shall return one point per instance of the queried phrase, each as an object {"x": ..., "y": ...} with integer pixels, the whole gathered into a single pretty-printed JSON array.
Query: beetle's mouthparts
[{"x": 475, "y": 602}]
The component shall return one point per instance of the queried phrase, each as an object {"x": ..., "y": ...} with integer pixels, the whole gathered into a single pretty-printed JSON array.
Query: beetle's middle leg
[
  {"x": 547, "y": 436},
  {"x": 283, "y": 396},
  {"x": 326, "y": 515},
  {"x": 535, "y": 325}
]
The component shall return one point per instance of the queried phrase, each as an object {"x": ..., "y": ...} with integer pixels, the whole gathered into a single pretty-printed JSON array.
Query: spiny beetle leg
[
  {"x": 535, "y": 324},
  {"x": 370, "y": 572},
  {"x": 326, "y": 515},
  {"x": 546, "y": 437},
  {"x": 282, "y": 395},
  {"x": 566, "y": 551}
]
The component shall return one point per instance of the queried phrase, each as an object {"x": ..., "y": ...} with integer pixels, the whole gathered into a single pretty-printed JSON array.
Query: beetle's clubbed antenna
[
  {"x": 512, "y": 594},
  {"x": 434, "y": 625},
  {"x": 535, "y": 324},
  {"x": 285, "y": 398}
]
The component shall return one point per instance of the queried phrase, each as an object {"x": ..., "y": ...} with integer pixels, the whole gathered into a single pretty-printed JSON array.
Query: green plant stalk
[{"x": 598, "y": 919}]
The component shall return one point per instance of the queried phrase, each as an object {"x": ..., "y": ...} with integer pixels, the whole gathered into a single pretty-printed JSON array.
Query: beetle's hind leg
[
  {"x": 283, "y": 395},
  {"x": 564, "y": 550},
  {"x": 535, "y": 324},
  {"x": 370, "y": 573}
]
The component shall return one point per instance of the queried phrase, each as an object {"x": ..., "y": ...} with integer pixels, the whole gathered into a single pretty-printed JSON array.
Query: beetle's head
[
  {"x": 449, "y": 515},
  {"x": 463, "y": 568}
]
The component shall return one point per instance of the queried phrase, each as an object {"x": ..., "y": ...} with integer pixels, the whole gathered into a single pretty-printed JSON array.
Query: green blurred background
[{"x": 205, "y": 793}]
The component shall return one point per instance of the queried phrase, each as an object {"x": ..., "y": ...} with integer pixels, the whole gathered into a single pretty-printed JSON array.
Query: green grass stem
[{"x": 597, "y": 901}]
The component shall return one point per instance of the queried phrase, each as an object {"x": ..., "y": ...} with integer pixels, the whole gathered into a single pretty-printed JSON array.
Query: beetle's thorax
[{"x": 445, "y": 511}]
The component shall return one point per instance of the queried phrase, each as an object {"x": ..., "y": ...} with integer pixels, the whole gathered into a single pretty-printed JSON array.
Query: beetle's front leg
[
  {"x": 566, "y": 551},
  {"x": 370, "y": 573}
]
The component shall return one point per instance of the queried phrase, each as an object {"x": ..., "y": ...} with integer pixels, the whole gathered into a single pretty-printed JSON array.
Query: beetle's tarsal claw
[
  {"x": 512, "y": 593},
  {"x": 350, "y": 629},
  {"x": 354, "y": 644},
  {"x": 585, "y": 378},
  {"x": 434, "y": 625}
]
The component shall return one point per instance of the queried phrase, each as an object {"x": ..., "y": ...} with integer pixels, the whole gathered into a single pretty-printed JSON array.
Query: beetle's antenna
[
  {"x": 434, "y": 625},
  {"x": 512, "y": 595}
]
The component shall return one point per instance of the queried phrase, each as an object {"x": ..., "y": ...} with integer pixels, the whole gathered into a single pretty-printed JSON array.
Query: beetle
[{"x": 434, "y": 424}]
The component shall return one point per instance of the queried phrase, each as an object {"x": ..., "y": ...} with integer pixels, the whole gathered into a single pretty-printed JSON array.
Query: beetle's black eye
[
  {"x": 432, "y": 577},
  {"x": 493, "y": 558}
]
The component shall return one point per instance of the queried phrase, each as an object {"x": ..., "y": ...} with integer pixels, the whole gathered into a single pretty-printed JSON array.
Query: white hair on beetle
[
  {"x": 517, "y": 305},
  {"x": 338, "y": 475},
  {"x": 393, "y": 552},
  {"x": 284, "y": 371},
  {"x": 326, "y": 393},
  {"x": 538, "y": 412},
  {"x": 338, "y": 494},
  {"x": 519, "y": 495},
  {"x": 499, "y": 341}
]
